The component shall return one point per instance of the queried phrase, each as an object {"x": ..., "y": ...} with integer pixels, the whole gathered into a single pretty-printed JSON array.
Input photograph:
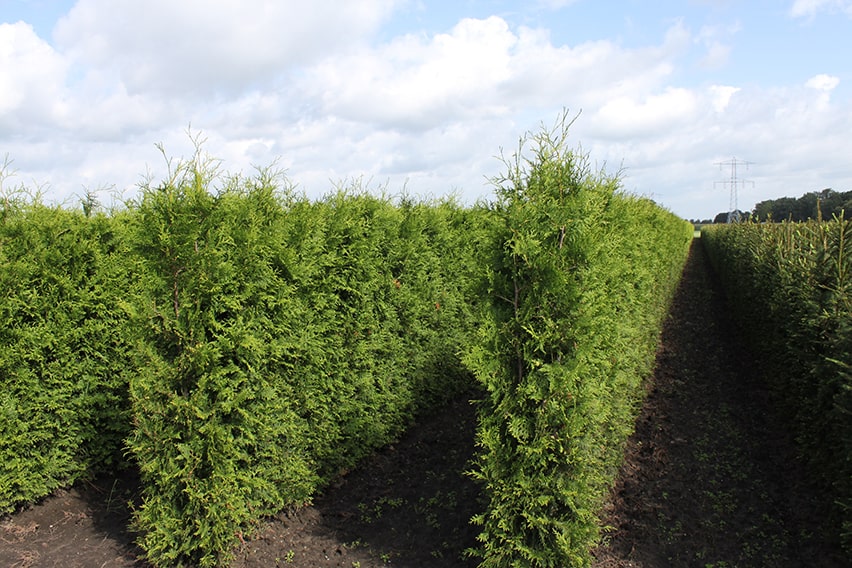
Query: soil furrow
[
  {"x": 710, "y": 477},
  {"x": 709, "y": 480}
]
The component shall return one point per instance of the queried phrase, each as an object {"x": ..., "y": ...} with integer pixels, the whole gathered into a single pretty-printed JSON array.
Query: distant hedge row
[
  {"x": 791, "y": 289},
  {"x": 242, "y": 345}
]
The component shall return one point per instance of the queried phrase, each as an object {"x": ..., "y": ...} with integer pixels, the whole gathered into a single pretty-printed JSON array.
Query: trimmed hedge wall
[
  {"x": 581, "y": 280},
  {"x": 243, "y": 345},
  {"x": 285, "y": 341},
  {"x": 790, "y": 288},
  {"x": 65, "y": 356}
]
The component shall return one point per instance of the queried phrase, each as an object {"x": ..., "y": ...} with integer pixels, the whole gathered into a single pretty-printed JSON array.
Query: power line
[{"x": 734, "y": 183}]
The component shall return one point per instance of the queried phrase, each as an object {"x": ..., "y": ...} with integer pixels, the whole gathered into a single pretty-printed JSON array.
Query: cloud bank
[{"x": 311, "y": 86}]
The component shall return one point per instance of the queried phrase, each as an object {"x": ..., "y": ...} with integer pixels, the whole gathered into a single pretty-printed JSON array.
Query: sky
[{"x": 422, "y": 97}]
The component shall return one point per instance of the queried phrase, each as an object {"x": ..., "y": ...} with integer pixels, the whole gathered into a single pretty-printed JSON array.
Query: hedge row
[
  {"x": 790, "y": 286},
  {"x": 65, "y": 348},
  {"x": 286, "y": 339},
  {"x": 581, "y": 279},
  {"x": 243, "y": 345}
]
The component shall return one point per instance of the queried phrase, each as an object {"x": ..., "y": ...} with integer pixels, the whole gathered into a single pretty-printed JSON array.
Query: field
[
  {"x": 711, "y": 476},
  {"x": 226, "y": 373},
  {"x": 709, "y": 479}
]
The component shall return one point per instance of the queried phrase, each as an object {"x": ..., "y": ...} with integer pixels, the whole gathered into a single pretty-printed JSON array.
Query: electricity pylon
[{"x": 734, "y": 183}]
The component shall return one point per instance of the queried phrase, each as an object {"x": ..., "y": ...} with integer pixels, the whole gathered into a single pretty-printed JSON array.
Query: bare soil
[
  {"x": 709, "y": 480},
  {"x": 710, "y": 477}
]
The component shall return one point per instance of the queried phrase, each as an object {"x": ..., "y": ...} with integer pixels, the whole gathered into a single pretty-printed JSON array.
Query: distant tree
[
  {"x": 731, "y": 216},
  {"x": 829, "y": 202},
  {"x": 806, "y": 207},
  {"x": 775, "y": 209},
  {"x": 813, "y": 205}
]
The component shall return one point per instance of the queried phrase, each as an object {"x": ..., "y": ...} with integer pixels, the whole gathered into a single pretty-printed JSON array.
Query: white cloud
[
  {"x": 41, "y": 92},
  {"x": 417, "y": 82},
  {"x": 481, "y": 69},
  {"x": 803, "y": 8},
  {"x": 206, "y": 46},
  {"x": 295, "y": 81},
  {"x": 430, "y": 111},
  {"x": 809, "y": 8},
  {"x": 32, "y": 77},
  {"x": 721, "y": 96},
  {"x": 823, "y": 82},
  {"x": 626, "y": 117}
]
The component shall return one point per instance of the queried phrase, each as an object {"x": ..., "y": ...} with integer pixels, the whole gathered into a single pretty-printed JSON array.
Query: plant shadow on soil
[
  {"x": 82, "y": 526},
  {"x": 408, "y": 505},
  {"x": 709, "y": 479}
]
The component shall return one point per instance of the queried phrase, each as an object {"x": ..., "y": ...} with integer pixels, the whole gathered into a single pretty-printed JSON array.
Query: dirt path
[
  {"x": 709, "y": 478},
  {"x": 406, "y": 506},
  {"x": 708, "y": 481}
]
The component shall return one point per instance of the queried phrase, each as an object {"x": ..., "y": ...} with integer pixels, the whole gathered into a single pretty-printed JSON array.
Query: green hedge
[
  {"x": 391, "y": 299},
  {"x": 790, "y": 287},
  {"x": 65, "y": 356},
  {"x": 285, "y": 340},
  {"x": 245, "y": 345},
  {"x": 581, "y": 279}
]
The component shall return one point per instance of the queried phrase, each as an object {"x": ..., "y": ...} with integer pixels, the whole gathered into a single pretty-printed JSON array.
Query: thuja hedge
[
  {"x": 65, "y": 350},
  {"x": 285, "y": 340},
  {"x": 790, "y": 286},
  {"x": 581, "y": 278},
  {"x": 243, "y": 345}
]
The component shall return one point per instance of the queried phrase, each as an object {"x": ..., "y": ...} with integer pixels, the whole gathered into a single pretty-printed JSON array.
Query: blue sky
[{"x": 423, "y": 94}]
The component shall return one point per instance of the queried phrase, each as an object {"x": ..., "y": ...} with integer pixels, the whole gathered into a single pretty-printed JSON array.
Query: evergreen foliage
[
  {"x": 243, "y": 345},
  {"x": 217, "y": 434},
  {"x": 285, "y": 341},
  {"x": 65, "y": 357},
  {"x": 580, "y": 281}
]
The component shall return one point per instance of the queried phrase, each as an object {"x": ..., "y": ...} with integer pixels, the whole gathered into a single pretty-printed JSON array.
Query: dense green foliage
[
  {"x": 65, "y": 355},
  {"x": 242, "y": 345},
  {"x": 285, "y": 340},
  {"x": 581, "y": 279},
  {"x": 216, "y": 436},
  {"x": 790, "y": 286}
]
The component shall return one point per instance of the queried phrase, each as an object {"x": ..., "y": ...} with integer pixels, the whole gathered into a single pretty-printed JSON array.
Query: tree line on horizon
[{"x": 823, "y": 204}]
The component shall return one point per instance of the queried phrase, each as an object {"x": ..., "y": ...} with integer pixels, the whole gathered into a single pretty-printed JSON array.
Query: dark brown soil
[
  {"x": 710, "y": 477},
  {"x": 709, "y": 480},
  {"x": 409, "y": 505},
  {"x": 84, "y": 526}
]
